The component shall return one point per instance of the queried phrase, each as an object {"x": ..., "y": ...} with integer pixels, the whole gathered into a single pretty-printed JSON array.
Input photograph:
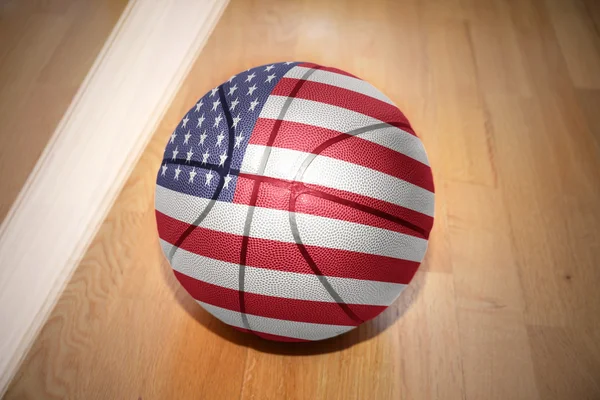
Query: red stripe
[
  {"x": 316, "y": 312},
  {"x": 278, "y": 197},
  {"x": 329, "y": 69},
  {"x": 344, "y": 98},
  {"x": 352, "y": 149},
  {"x": 269, "y": 336},
  {"x": 282, "y": 256}
]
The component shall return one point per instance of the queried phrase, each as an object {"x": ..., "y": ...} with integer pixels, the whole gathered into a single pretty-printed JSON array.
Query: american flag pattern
[{"x": 294, "y": 201}]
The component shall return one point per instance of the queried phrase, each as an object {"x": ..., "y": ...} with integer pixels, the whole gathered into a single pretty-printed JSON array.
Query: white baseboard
[{"x": 92, "y": 151}]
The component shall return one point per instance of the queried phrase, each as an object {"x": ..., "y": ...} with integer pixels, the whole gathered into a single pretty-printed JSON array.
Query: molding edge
[{"x": 110, "y": 121}]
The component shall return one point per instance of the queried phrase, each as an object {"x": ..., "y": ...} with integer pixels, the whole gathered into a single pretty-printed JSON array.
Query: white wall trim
[{"x": 92, "y": 151}]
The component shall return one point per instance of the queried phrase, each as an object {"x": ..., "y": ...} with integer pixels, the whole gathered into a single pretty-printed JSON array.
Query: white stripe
[
  {"x": 289, "y": 285},
  {"x": 338, "y": 174},
  {"x": 340, "y": 119},
  {"x": 275, "y": 225},
  {"x": 398, "y": 140},
  {"x": 339, "y": 80},
  {"x": 292, "y": 329}
]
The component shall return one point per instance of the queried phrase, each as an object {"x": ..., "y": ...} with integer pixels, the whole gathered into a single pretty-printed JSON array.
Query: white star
[
  {"x": 185, "y": 121},
  {"x": 269, "y": 68},
  {"x": 202, "y": 138},
  {"x": 209, "y": 176},
  {"x": 251, "y": 90},
  {"x": 205, "y": 157},
  {"x": 234, "y": 104},
  {"x": 250, "y": 77},
  {"x": 187, "y": 137},
  {"x": 236, "y": 121},
  {"x": 215, "y": 105},
  {"x": 218, "y": 120},
  {"x": 232, "y": 89},
  {"x": 253, "y": 104},
  {"x": 230, "y": 79},
  {"x": 175, "y": 153},
  {"x": 192, "y": 175},
  {"x": 213, "y": 91},
  {"x": 223, "y": 157},
  {"x": 177, "y": 172},
  {"x": 270, "y": 78},
  {"x": 173, "y": 136},
  {"x": 227, "y": 179},
  {"x": 289, "y": 62},
  {"x": 220, "y": 137},
  {"x": 189, "y": 155},
  {"x": 164, "y": 169},
  {"x": 198, "y": 105},
  {"x": 200, "y": 121},
  {"x": 238, "y": 140}
]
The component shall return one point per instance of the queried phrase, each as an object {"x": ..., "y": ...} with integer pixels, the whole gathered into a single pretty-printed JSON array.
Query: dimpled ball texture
[{"x": 294, "y": 201}]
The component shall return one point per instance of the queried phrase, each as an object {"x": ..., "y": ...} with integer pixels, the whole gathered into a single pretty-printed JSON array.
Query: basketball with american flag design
[{"x": 294, "y": 201}]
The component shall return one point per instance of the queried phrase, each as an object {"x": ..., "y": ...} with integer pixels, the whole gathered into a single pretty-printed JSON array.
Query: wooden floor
[
  {"x": 506, "y": 97},
  {"x": 46, "y": 50}
]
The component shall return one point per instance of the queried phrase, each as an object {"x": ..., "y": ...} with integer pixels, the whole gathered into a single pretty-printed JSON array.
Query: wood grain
[
  {"x": 88, "y": 159},
  {"x": 46, "y": 50},
  {"x": 505, "y": 304}
]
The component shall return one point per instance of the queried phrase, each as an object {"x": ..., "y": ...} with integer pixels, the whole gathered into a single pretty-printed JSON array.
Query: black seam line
[
  {"x": 343, "y": 136},
  {"x": 292, "y": 214},
  {"x": 303, "y": 189},
  {"x": 250, "y": 214},
  {"x": 226, "y": 168},
  {"x": 297, "y": 238},
  {"x": 298, "y": 178},
  {"x": 199, "y": 164}
]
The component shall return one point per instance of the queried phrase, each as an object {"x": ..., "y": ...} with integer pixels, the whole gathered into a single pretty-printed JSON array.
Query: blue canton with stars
[{"x": 205, "y": 152}]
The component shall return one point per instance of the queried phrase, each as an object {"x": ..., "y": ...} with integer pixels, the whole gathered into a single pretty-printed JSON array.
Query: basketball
[{"x": 294, "y": 202}]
